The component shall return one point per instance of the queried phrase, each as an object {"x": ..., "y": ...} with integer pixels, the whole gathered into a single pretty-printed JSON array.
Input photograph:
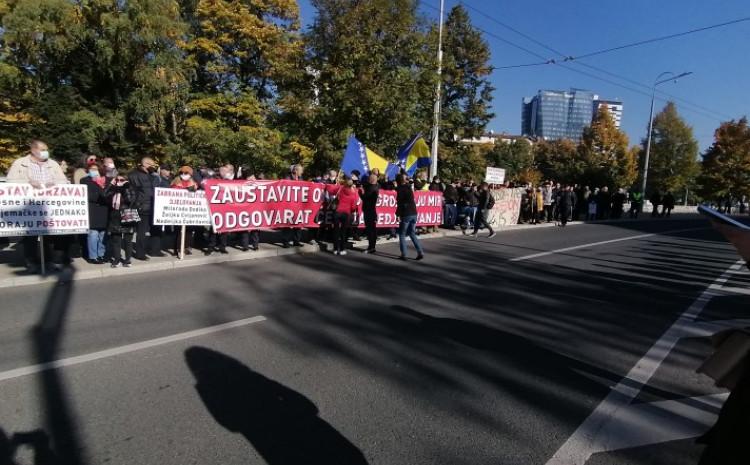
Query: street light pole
[
  {"x": 657, "y": 82},
  {"x": 436, "y": 125}
]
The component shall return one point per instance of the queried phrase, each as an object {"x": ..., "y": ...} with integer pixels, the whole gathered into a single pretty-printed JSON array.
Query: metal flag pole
[
  {"x": 182, "y": 242},
  {"x": 41, "y": 255},
  {"x": 436, "y": 125}
]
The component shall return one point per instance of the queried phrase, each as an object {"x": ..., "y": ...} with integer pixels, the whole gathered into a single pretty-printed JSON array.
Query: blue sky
[{"x": 719, "y": 58}]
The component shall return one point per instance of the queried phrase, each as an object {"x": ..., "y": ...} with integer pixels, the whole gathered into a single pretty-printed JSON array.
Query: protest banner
[
  {"x": 180, "y": 207},
  {"x": 507, "y": 207},
  {"x": 429, "y": 210},
  {"x": 245, "y": 205},
  {"x": 61, "y": 209},
  {"x": 494, "y": 175}
]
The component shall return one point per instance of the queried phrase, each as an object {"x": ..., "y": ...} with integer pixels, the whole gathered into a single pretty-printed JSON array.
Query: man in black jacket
[
  {"x": 567, "y": 204},
  {"x": 369, "y": 195},
  {"x": 485, "y": 204},
  {"x": 142, "y": 183},
  {"x": 406, "y": 209},
  {"x": 450, "y": 198}
]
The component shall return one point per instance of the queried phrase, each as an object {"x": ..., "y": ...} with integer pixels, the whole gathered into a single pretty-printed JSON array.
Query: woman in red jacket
[{"x": 347, "y": 200}]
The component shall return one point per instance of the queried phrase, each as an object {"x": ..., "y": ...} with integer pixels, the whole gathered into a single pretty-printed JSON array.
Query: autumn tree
[
  {"x": 605, "y": 155},
  {"x": 243, "y": 54},
  {"x": 673, "y": 160},
  {"x": 559, "y": 161},
  {"x": 725, "y": 169}
]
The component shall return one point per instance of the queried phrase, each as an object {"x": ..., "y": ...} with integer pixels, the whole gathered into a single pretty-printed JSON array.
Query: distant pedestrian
[
  {"x": 667, "y": 204},
  {"x": 655, "y": 202},
  {"x": 369, "y": 195},
  {"x": 567, "y": 204},
  {"x": 486, "y": 202},
  {"x": 618, "y": 203},
  {"x": 406, "y": 209},
  {"x": 636, "y": 203}
]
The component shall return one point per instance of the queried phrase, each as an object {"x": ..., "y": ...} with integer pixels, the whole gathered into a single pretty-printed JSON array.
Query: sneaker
[
  {"x": 473, "y": 234},
  {"x": 343, "y": 252},
  {"x": 127, "y": 264},
  {"x": 370, "y": 251},
  {"x": 420, "y": 257},
  {"x": 208, "y": 252},
  {"x": 297, "y": 244},
  {"x": 114, "y": 264},
  {"x": 492, "y": 234},
  {"x": 335, "y": 252},
  {"x": 223, "y": 251}
]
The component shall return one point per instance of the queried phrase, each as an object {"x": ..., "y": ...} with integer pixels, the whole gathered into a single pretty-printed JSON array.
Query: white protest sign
[
  {"x": 180, "y": 207},
  {"x": 494, "y": 175},
  {"x": 25, "y": 211}
]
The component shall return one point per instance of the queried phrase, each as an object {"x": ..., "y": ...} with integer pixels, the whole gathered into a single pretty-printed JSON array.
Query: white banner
[
  {"x": 494, "y": 175},
  {"x": 25, "y": 211},
  {"x": 180, "y": 207}
]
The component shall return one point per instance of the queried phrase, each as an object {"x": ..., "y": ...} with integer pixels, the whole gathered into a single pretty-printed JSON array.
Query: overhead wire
[{"x": 698, "y": 109}]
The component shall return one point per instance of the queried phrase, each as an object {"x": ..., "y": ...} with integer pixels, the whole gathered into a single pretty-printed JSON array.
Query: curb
[{"x": 266, "y": 251}]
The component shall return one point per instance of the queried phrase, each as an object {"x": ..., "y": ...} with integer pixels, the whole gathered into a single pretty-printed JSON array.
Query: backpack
[{"x": 490, "y": 200}]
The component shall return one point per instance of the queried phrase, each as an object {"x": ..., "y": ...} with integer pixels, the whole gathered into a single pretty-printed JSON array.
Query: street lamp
[{"x": 660, "y": 79}]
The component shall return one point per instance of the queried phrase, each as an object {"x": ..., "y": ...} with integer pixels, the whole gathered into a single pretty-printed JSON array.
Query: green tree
[
  {"x": 559, "y": 161},
  {"x": 467, "y": 92},
  {"x": 516, "y": 157},
  {"x": 605, "y": 154},
  {"x": 673, "y": 164},
  {"x": 725, "y": 169},
  {"x": 372, "y": 70}
]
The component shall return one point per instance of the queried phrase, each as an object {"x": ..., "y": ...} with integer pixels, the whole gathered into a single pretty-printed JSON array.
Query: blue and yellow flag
[
  {"x": 360, "y": 158},
  {"x": 414, "y": 155}
]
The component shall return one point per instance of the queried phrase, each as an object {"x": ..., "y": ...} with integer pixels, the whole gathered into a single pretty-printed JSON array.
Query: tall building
[
  {"x": 554, "y": 114},
  {"x": 614, "y": 107}
]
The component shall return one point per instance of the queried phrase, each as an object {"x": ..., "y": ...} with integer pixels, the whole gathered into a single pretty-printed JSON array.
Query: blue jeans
[
  {"x": 451, "y": 215},
  {"x": 408, "y": 228},
  {"x": 96, "y": 244}
]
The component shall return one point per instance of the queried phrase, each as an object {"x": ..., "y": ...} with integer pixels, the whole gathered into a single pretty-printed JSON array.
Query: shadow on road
[
  {"x": 58, "y": 443},
  {"x": 282, "y": 424}
]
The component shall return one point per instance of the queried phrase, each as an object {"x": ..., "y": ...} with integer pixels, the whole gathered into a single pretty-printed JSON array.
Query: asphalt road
[{"x": 484, "y": 353}]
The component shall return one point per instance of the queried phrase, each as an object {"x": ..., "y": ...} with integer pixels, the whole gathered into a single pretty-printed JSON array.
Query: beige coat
[{"x": 19, "y": 171}]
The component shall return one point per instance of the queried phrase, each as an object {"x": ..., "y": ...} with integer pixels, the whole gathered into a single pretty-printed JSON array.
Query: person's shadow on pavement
[{"x": 282, "y": 424}]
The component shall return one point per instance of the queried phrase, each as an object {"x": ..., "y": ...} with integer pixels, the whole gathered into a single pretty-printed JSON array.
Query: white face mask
[
  {"x": 185, "y": 177},
  {"x": 44, "y": 155},
  {"x": 229, "y": 176},
  {"x": 110, "y": 166}
]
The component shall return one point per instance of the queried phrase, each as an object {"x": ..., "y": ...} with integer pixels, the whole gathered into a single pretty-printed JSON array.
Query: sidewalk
[{"x": 13, "y": 275}]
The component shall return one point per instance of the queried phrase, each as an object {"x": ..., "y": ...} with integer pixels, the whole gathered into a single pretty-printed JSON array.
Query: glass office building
[{"x": 552, "y": 114}]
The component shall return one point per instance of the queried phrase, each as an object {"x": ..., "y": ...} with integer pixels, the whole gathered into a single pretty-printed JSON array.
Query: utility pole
[
  {"x": 658, "y": 81},
  {"x": 436, "y": 125}
]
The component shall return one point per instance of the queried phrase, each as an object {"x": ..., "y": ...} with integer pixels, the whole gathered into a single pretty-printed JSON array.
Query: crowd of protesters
[
  {"x": 121, "y": 208},
  {"x": 560, "y": 203}
]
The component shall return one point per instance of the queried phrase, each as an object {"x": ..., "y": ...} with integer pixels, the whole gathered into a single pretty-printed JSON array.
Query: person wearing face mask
[
  {"x": 98, "y": 214},
  {"x": 110, "y": 170},
  {"x": 292, "y": 236},
  {"x": 37, "y": 169},
  {"x": 217, "y": 242},
  {"x": 83, "y": 168},
  {"x": 185, "y": 181},
  {"x": 142, "y": 182},
  {"x": 118, "y": 197}
]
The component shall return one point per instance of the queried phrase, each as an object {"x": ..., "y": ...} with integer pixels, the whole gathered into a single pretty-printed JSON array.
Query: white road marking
[
  {"x": 606, "y": 422},
  {"x": 594, "y": 244},
  {"x": 77, "y": 360}
]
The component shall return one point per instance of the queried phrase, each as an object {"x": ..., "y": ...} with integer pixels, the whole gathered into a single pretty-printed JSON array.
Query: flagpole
[{"x": 436, "y": 126}]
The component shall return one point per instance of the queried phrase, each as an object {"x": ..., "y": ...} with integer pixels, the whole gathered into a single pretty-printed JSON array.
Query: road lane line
[
  {"x": 77, "y": 360},
  {"x": 594, "y": 244},
  {"x": 596, "y": 432}
]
